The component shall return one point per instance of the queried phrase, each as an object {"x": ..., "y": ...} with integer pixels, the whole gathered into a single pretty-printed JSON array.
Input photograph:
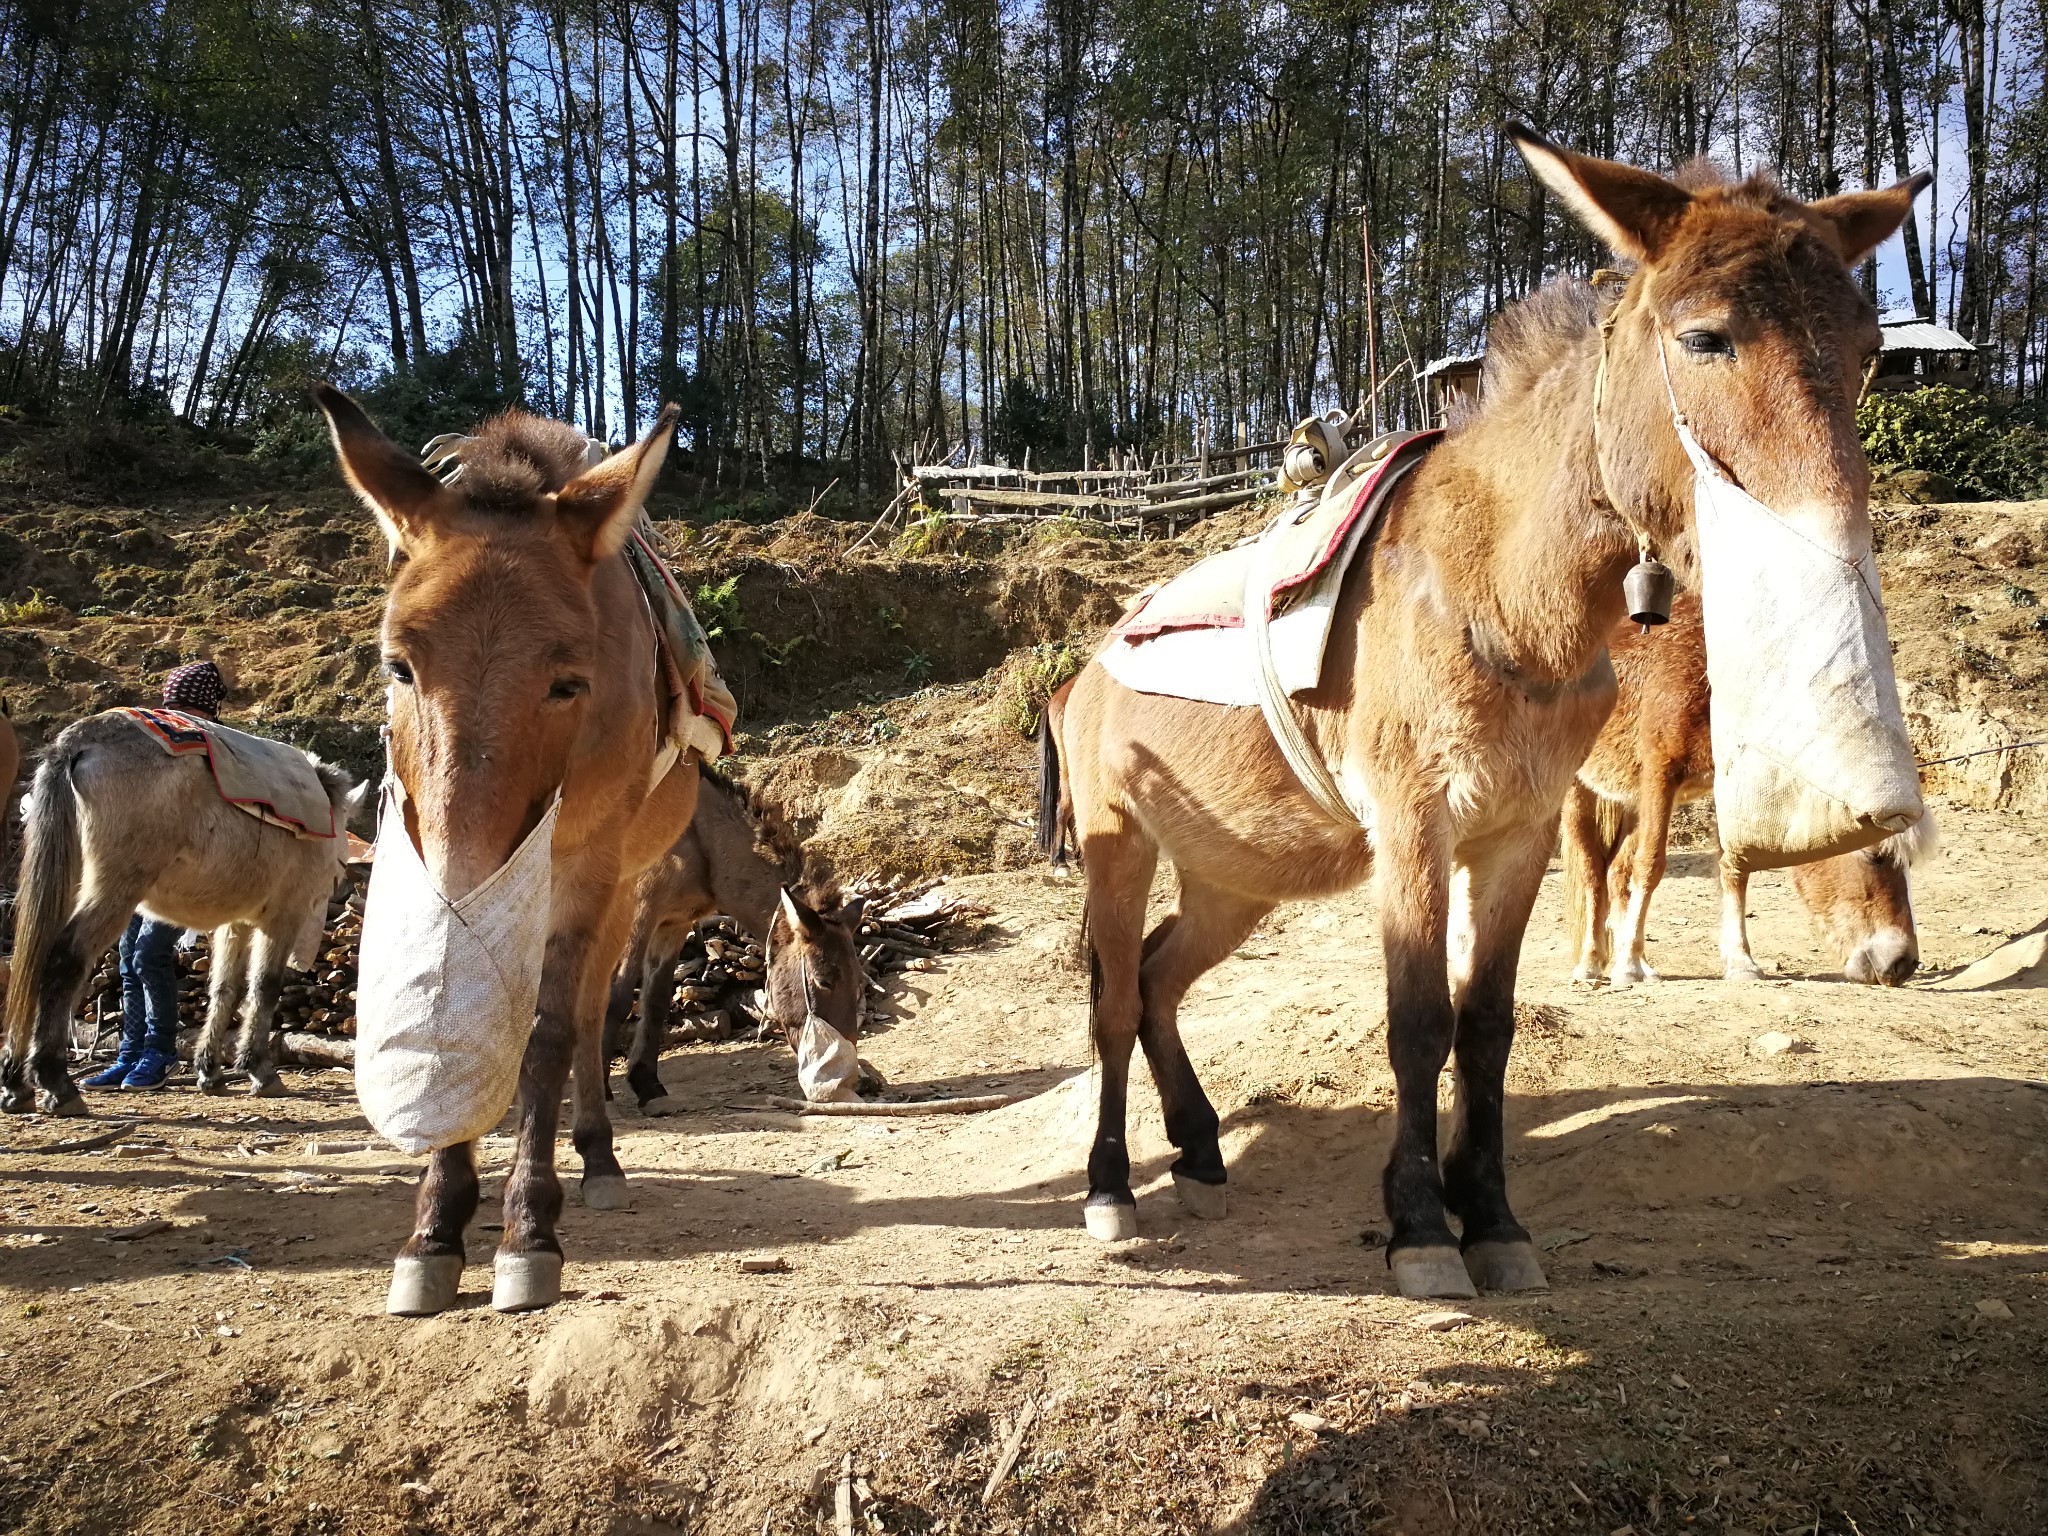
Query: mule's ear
[
  {"x": 1633, "y": 210},
  {"x": 850, "y": 913},
  {"x": 800, "y": 918},
  {"x": 599, "y": 506},
  {"x": 392, "y": 483},
  {"x": 1865, "y": 220}
]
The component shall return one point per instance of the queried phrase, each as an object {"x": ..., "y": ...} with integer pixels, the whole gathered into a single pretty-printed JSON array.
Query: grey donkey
[{"x": 113, "y": 823}]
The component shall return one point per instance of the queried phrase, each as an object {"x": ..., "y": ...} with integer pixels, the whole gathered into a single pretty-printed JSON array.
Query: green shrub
[
  {"x": 1966, "y": 437},
  {"x": 1035, "y": 680}
]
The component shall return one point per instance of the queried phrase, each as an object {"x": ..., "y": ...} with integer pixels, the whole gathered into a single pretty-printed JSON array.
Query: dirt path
[{"x": 1799, "y": 1293}]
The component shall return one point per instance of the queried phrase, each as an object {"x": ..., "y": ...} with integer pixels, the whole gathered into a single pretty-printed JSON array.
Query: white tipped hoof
[
  {"x": 420, "y": 1287},
  {"x": 664, "y": 1105},
  {"x": 523, "y": 1282},
  {"x": 1432, "y": 1272},
  {"x": 65, "y": 1109},
  {"x": 607, "y": 1192},
  {"x": 1741, "y": 968},
  {"x": 1209, "y": 1202},
  {"x": 1111, "y": 1222},
  {"x": 271, "y": 1087},
  {"x": 1505, "y": 1267}
]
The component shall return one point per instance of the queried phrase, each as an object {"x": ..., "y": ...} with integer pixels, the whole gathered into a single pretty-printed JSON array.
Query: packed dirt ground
[{"x": 1794, "y": 1292}]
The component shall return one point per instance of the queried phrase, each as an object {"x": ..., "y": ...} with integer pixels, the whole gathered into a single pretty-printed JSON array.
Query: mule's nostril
[{"x": 1886, "y": 959}]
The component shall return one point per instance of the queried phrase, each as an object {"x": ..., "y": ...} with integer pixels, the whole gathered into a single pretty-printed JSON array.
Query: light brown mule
[
  {"x": 1467, "y": 677},
  {"x": 522, "y": 662},
  {"x": 1656, "y": 753}
]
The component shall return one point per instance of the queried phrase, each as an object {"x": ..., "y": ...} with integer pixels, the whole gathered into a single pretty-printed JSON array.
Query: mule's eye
[
  {"x": 398, "y": 670},
  {"x": 568, "y": 688},
  {"x": 1704, "y": 343}
]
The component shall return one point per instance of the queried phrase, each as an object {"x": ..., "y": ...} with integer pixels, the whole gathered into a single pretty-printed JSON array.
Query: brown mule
[
  {"x": 521, "y": 658},
  {"x": 1467, "y": 677},
  {"x": 739, "y": 860},
  {"x": 1656, "y": 753}
]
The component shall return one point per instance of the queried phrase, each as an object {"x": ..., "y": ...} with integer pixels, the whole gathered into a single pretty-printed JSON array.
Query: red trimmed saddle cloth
[
  {"x": 701, "y": 708},
  {"x": 1187, "y": 639},
  {"x": 271, "y": 781}
]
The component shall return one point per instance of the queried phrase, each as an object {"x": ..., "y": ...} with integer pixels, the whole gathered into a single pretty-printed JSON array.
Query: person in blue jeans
[
  {"x": 149, "y": 1006},
  {"x": 149, "y": 965}
]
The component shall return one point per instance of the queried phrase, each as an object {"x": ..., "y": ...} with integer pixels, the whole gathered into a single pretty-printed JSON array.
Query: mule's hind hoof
[
  {"x": 1111, "y": 1221},
  {"x": 1505, "y": 1267},
  {"x": 420, "y": 1287},
  {"x": 1438, "y": 1271},
  {"x": 607, "y": 1192},
  {"x": 271, "y": 1087},
  {"x": 523, "y": 1282},
  {"x": 70, "y": 1108},
  {"x": 663, "y": 1105},
  {"x": 216, "y": 1087},
  {"x": 1209, "y": 1202}
]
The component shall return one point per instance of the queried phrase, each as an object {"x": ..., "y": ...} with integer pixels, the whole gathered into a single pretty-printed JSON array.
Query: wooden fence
[{"x": 1157, "y": 499}]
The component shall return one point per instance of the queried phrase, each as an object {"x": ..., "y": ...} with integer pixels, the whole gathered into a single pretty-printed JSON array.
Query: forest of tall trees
[{"x": 841, "y": 230}]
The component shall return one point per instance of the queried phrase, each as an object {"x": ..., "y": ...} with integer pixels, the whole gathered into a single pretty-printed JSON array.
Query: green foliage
[
  {"x": 1048, "y": 426},
  {"x": 33, "y": 609},
  {"x": 1957, "y": 433},
  {"x": 1035, "y": 680},
  {"x": 923, "y": 535},
  {"x": 718, "y": 608}
]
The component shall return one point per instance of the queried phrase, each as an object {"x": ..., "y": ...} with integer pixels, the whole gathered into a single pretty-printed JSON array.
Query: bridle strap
[{"x": 1614, "y": 502}]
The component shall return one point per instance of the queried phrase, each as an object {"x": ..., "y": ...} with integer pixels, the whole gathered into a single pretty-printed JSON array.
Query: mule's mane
[
  {"x": 773, "y": 835},
  {"x": 516, "y": 458}
]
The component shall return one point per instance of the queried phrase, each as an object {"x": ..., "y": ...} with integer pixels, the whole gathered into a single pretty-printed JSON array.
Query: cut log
[{"x": 304, "y": 1050}]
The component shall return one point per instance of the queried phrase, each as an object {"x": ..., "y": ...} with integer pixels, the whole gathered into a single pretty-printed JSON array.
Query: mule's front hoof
[
  {"x": 525, "y": 1282},
  {"x": 1741, "y": 968},
  {"x": 663, "y": 1105},
  {"x": 1209, "y": 1202},
  {"x": 1438, "y": 1271},
  {"x": 217, "y": 1087},
  {"x": 68, "y": 1108},
  {"x": 1505, "y": 1267},
  {"x": 15, "y": 1102},
  {"x": 607, "y": 1192},
  {"x": 271, "y": 1087},
  {"x": 1631, "y": 975},
  {"x": 1110, "y": 1220},
  {"x": 420, "y": 1287}
]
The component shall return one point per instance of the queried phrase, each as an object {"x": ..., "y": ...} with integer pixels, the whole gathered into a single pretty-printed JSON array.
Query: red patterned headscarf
[{"x": 196, "y": 686}]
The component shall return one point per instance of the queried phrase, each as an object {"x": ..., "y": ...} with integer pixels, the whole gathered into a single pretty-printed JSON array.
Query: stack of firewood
[
  {"x": 720, "y": 972},
  {"x": 718, "y": 976}
]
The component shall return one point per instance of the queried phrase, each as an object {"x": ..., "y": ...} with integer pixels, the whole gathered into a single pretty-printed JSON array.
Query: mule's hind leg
[
  {"x": 40, "y": 1064},
  {"x": 1120, "y": 865},
  {"x": 1585, "y": 873},
  {"x": 1209, "y": 925},
  {"x": 1737, "y": 963},
  {"x": 428, "y": 1271},
  {"x": 227, "y": 985},
  {"x": 1656, "y": 793},
  {"x": 253, "y": 1053},
  {"x": 657, "y": 997},
  {"x": 1498, "y": 888}
]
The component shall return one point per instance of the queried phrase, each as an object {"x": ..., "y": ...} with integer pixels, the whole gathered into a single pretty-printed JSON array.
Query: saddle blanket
[
  {"x": 701, "y": 708},
  {"x": 273, "y": 782},
  {"x": 1187, "y": 638}
]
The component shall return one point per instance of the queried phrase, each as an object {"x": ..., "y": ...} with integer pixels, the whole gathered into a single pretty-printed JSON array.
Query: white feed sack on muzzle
[
  {"x": 1811, "y": 756},
  {"x": 445, "y": 991},
  {"x": 827, "y": 1064}
]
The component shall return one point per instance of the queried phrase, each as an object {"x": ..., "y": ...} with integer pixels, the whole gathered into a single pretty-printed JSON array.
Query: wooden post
[{"x": 1372, "y": 346}]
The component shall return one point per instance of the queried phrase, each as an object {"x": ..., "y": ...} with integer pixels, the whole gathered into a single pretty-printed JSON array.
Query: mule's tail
[
  {"x": 1053, "y": 810},
  {"x": 52, "y": 866},
  {"x": 1589, "y": 855}
]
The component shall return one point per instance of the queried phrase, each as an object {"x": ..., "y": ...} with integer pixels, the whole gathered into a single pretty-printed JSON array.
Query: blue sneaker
[
  {"x": 150, "y": 1071},
  {"x": 111, "y": 1076}
]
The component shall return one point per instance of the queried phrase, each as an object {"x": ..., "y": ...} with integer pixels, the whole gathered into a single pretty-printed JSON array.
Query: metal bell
[{"x": 1648, "y": 588}]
